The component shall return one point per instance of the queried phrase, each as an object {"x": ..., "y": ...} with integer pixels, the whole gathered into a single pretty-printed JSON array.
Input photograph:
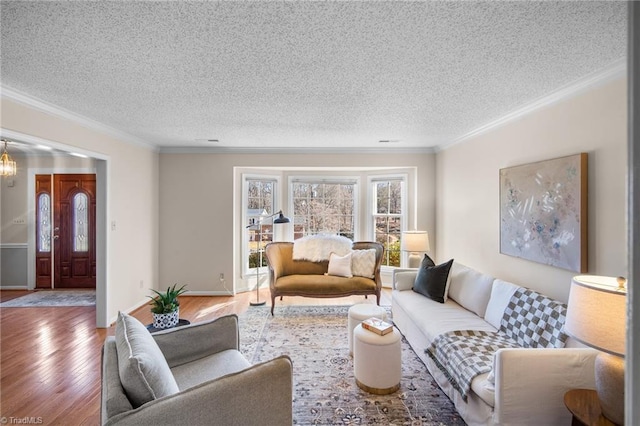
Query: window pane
[
  {"x": 260, "y": 202},
  {"x": 388, "y": 218},
  {"x": 382, "y": 199},
  {"x": 44, "y": 223},
  {"x": 323, "y": 208},
  {"x": 395, "y": 198},
  {"x": 80, "y": 225}
]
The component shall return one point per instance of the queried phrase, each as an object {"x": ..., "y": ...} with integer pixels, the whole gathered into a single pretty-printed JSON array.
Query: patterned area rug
[
  {"x": 48, "y": 298},
  {"x": 325, "y": 392}
]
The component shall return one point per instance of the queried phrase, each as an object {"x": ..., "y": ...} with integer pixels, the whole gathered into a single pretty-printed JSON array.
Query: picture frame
[{"x": 543, "y": 212}]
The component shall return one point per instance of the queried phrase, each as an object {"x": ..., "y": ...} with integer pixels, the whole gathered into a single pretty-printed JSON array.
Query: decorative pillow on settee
[
  {"x": 340, "y": 265},
  {"x": 363, "y": 263}
]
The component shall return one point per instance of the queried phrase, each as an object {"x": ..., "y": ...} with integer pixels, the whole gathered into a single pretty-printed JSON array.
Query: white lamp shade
[
  {"x": 596, "y": 313},
  {"x": 415, "y": 241}
]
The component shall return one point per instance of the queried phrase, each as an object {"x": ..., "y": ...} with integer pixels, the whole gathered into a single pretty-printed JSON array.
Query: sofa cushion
[
  {"x": 321, "y": 285},
  {"x": 209, "y": 368},
  {"x": 431, "y": 281},
  {"x": 433, "y": 318},
  {"x": 144, "y": 372},
  {"x": 470, "y": 288},
  {"x": 501, "y": 293},
  {"x": 340, "y": 265},
  {"x": 363, "y": 263}
]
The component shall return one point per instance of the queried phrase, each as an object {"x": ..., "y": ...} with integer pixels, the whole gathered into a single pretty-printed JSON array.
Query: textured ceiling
[{"x": 303, "y": 74}]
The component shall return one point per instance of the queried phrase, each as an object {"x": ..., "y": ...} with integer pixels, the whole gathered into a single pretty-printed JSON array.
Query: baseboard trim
[
  {"x": 113, "y": 320},
  {"x": 14, "y": 287},
  {"x": 209, "y": 293}
]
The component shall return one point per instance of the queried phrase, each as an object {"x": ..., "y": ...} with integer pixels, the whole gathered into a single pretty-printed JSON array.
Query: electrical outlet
[
  {"x": 141, "y": 283},
  {"x": 221, "y": 276}
]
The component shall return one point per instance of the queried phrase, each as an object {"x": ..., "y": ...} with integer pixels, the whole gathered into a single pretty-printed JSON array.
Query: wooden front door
[
  {"x": 70, "y": 243},
  {"x": 74, "y": 221}
]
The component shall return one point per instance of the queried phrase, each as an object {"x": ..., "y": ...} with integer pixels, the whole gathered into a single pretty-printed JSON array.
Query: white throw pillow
[
  {"x": 144, "y": 372},
  {"x": 470, "y": 288},
  {"x": 501, "y": 293},
  {"x": 340, "y": 265},
  {"x": 363, "y": 263}
]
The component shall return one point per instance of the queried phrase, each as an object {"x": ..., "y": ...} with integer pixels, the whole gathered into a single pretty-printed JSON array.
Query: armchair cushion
[
  {"x": 143, "y": 369},
  {"x": 209, "y": 368}
]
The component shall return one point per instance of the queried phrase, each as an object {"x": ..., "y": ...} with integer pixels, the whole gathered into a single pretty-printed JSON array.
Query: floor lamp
[{"x": 281, "y": 219}]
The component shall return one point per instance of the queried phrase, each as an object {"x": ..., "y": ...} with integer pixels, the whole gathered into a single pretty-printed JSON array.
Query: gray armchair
[{"x": 192, "y": 375}]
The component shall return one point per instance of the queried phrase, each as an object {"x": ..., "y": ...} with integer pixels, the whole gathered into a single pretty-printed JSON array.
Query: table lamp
[
  {"x": 415, "y": 242},
  {"x": 596, "y": 316}
]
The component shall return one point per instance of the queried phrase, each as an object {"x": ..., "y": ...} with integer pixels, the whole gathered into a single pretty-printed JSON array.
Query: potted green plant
[{"x": 165, "y": 307}]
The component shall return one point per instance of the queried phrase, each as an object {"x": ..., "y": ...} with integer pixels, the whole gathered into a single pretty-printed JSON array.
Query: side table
[
  {"x": 359, "y": 313},
  {"x": 585, "y": 408},
  {"x": 377, "y": 361},
  {"x": 180, "y": 323}
]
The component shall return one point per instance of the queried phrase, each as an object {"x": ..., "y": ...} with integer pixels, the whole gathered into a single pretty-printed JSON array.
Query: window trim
[
  {"x": 277, "y": 179},
  {"x": 371, "y": 206}
]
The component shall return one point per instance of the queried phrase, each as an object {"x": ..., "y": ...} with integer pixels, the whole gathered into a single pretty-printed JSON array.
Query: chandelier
[{"x": 7, "y": 165}]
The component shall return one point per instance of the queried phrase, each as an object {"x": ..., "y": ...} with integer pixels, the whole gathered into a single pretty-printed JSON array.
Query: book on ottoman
[{"x": 377, "y": 326}]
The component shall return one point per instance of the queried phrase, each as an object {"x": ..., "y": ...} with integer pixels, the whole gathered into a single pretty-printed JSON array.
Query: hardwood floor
[{"x": 50, "y": 357}]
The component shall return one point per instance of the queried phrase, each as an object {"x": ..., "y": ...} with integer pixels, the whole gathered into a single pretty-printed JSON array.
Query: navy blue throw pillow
[
  {"x": 431, "y": 281},
  {"x": 427, "y": 261}
]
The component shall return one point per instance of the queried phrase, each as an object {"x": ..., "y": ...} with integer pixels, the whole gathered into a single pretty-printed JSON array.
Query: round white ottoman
[
  {"x": 377, "y": 361},
  {"x": 359, "y": 313}
]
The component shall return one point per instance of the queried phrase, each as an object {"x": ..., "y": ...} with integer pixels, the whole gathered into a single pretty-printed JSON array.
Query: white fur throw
[{"x": 317, "y": 248}]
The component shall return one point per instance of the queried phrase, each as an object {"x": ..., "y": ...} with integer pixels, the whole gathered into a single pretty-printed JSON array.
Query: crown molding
[
  {"x": 598, "y": 78},
  {"x": 291, "y": 150},
  {"x": 46, "y": 107}
]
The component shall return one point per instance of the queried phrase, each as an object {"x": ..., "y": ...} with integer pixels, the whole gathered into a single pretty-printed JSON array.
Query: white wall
[
  {"x": 467, "y": 218},
  {"x": 197, "y": 208},
  {"x": 131, "y": 199}
]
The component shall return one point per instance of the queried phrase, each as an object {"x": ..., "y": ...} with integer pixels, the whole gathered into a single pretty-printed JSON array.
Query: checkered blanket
[
  {"x": 462, "y": 355},
  {"x": 530, "y": 321},
  {"x": 534, "y": 320}
]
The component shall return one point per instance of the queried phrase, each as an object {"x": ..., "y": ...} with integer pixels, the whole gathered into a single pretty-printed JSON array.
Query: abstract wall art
[{"x": 543, "y": 212}]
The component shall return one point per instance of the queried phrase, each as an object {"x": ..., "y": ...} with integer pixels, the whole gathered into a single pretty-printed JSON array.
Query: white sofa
[{"x": 528, "y": 384}]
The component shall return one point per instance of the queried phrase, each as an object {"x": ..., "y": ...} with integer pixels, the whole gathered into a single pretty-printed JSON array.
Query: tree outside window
[
  {"x": 387, "y": 218},
  {"x": 323, "y": 207}
]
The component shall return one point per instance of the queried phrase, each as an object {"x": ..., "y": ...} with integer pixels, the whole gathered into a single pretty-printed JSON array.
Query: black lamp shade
[{"x": 281, "y": 218}]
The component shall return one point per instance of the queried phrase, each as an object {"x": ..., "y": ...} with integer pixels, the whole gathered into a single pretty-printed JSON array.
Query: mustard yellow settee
[{"x": 289, "y": 277}]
